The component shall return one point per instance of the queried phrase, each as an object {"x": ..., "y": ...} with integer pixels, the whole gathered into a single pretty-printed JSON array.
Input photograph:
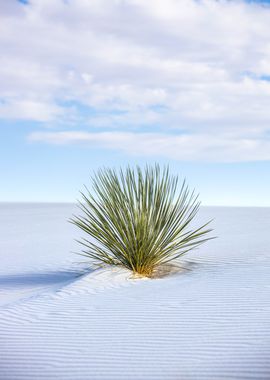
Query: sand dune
[{"x": 210, "y": 321}]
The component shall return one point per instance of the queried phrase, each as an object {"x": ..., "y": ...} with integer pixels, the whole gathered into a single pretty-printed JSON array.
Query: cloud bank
[{"x": 188, "y": 80}]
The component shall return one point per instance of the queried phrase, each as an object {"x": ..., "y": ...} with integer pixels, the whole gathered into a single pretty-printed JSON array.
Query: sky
[{"x": 92, "y": 83}]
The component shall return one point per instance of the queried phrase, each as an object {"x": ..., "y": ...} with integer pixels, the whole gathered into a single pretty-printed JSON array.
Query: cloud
[
  {"x": 157, "y": 68},
  {"x": 29, "y": 110},
  {"x": 184, "y": 147}
]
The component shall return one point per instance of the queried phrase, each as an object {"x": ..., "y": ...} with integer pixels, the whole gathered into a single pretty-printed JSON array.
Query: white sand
[{"x": 209, "y": 322}]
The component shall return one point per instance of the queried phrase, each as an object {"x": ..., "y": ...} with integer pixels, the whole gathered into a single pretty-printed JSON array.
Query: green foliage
[{"x": 139, "y": 219}]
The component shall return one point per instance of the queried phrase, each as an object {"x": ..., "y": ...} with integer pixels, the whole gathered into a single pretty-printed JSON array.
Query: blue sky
[{"x": 97, "y": 83}]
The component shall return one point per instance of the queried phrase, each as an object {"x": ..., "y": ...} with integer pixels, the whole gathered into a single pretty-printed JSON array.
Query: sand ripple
[{"x": 210, "y": 321}]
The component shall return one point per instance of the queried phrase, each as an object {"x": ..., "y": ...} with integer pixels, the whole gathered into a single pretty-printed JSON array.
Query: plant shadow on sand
[
  {"x": 50, "y": 278},
  {"x": 38, "y": 279}
]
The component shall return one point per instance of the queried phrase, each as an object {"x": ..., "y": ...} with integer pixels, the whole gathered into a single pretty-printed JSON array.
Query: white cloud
[
  {"x": 197, "y": 66},
  {"x": 180, "y": 147},
  {"x": 14, "y": 109}
]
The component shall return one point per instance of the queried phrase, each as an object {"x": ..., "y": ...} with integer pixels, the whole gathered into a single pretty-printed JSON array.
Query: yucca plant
[{"x": 138, "y": 219}]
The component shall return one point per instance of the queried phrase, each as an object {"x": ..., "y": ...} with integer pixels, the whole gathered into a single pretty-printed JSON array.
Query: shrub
[{"x": 138, "y": 219}]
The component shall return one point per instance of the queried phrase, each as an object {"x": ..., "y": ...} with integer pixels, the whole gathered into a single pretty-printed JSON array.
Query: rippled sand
[{"x": 210, "y": 320}]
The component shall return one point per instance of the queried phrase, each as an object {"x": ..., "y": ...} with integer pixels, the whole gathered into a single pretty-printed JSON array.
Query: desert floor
[{"x": 60, "y": 320}]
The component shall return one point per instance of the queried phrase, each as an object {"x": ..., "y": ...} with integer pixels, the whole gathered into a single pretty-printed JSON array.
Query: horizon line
[{"x": 76, "y": 202}]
